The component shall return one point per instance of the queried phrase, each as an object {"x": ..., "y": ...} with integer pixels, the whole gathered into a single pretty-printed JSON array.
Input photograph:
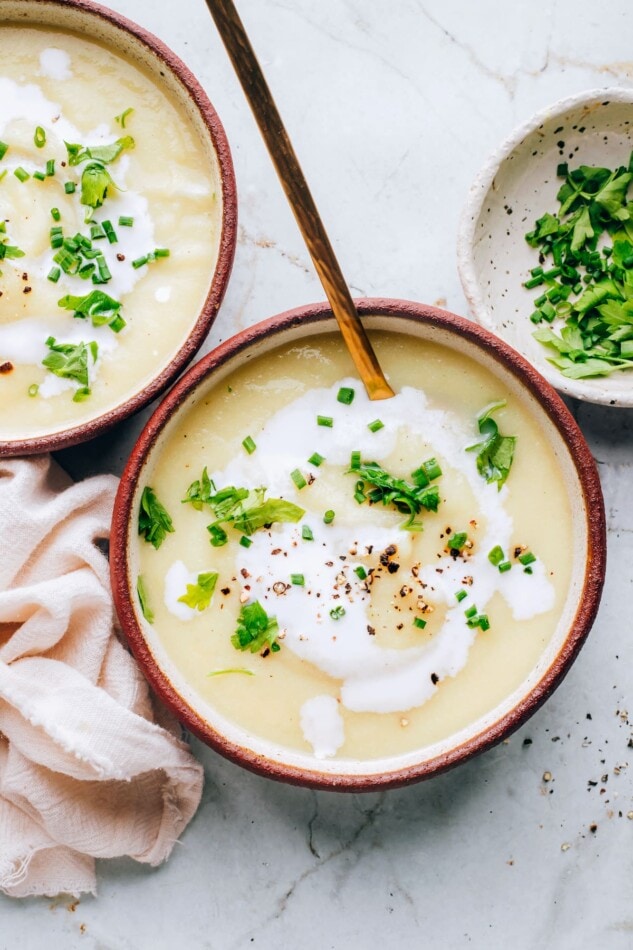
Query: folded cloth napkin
[{"x": 85, "y": 771}]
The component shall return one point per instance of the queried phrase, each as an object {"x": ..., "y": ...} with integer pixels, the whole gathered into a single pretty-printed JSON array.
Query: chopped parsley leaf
[{"x": 154, "y": 522}]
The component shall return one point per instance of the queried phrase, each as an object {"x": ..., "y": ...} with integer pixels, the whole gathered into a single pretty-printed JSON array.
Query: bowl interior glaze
[{"x": 521, "y": 382}]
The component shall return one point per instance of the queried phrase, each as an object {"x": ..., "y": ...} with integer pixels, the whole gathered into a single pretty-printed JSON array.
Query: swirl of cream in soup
[{"x": 374, "y": 678}]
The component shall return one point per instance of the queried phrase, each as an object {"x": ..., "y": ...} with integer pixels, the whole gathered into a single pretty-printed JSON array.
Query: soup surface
[
  {"x": 375, "y": 628},
  {"x": 111, "y": 212}
]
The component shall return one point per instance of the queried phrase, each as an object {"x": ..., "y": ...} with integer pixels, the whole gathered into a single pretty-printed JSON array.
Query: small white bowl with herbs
[{"x": 545, "y": 248}]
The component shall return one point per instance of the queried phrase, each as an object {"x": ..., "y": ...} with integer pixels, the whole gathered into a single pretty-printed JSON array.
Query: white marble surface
[{"x": 393, "y": 106}]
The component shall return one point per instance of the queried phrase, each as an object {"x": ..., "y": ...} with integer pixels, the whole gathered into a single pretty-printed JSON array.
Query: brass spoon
[{"x": 249, "y": 73}]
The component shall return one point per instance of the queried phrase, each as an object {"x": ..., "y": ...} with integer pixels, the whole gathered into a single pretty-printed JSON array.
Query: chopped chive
[
  {"x": 39, "y": 176},
  {"x": 355, "y": 462},
  {"x": 420, "y": 478},
  {"x": 125, "y": 222},
  {"x": 470, "y": 612},
  {"x": 457, "y": 541},
  {"x": 484, "y": 623},
  {"x": 534, "y": 282},
  {"x": 298, "y": 580},
  {"x": 419, "y": 623},
  {"x": 245, "y": 542},
  {"x": 21, "y": 174},
  {"x": 496, "y": 556},
  {"x": 68, "y": 262},
  {"x": 504, "y": 567},
  {"x": 328, "y": 517},
  {"x": 316, "y": 459},
  {"x": 86, "y": 271},
  {"x": 3, "y": 149},
  {"x": 337, "y": 612},
  {"x": 33, "y": 389},
  {"x": 96, "y": 232},
  {"x": 249, "y": 444},
  {"x": 69, "y": 187},
  {"x": 50, "y": 168},
  {"x": 345, "y": 395},
  {"x": 56, "y": 214},
  {"x": 56, "y": 236},
  {"x": 121, "y": 120},
  {"x": 432, "y": 469},
  {"x": 376, "y": 425},
  {"x": 298, "y": 479},
  {"x": 461, "y": 595},
  {"x": 161, "y": 252},
  {"x": 360, "y": 572},
  {"x": 326, "y": 421},
  {"x": 54, "y": 274},
  {"x": 528, "y": 570},
  {"x": 359, "y": 496},
  {"x": 110, "y": 233},
  {"x": 39, "y": 137},
  {"x": 306, "y": 533},
  {"x": 140, "y": 261},
  {"x": 527, "y": 558}
]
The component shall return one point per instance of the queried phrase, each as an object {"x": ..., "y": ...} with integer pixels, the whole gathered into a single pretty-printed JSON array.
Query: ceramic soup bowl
[
  {"x": 119, "y": 209},
  {"x": 348, "y": 594}
]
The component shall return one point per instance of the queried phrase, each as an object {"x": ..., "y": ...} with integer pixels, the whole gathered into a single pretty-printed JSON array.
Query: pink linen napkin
[{"x": 85, "y": 771}]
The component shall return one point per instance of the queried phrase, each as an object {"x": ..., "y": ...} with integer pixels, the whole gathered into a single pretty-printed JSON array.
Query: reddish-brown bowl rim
[
  {"x": 579, "y": 451},
  {"x": 226, "y": 252}
]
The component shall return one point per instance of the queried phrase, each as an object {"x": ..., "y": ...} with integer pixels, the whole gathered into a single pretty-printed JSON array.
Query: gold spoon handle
[{"x": 249, "y": 73}]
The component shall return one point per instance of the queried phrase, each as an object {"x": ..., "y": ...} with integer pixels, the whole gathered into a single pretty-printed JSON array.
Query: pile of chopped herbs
[{"x": 585, "y": 273}]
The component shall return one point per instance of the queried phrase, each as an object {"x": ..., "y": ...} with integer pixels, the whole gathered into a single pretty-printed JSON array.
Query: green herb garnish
[
  {"x": 96, "y": 306},
  {"x": 95, "y": 181},
  {"x": 328, "y": 517},
  {"x": 419, "y": 623},
  {"x": 496, "y": 556},
  {"x": 337, "y": 613},
  {"x": 376, "y": 485},
  {"x": 255, "y": 630},
  {"x": 154, "y": 522},
  {"x": 376, "y": 425},
  {"x": 122, "y": 118},
  {"x": 457, "y": 541},
  {"x": 589, "y": 290},
  {"x": 249, "y": 444},
  {"x": 244, "y": 509},
  {"x": 346, "y": 395},
  {"x": 70, "y": 361},
  {"x": 21, "y": 174},
  {"x": 306, "y": 533},
  {"x": 496, "y": 452},
  {"x": 142, "y": 599},
  {"x": 232, "y": 669},
  {"x": 105, "y": 154},
  {"x": 316, "y": 459},
  {"x": 39, "y": 138},
  {"x": 298, "y": 580},
  {"x": 298, "y": 479},
  {"x": 198, "y": 596},
  {"x": 326, "y": 421}
]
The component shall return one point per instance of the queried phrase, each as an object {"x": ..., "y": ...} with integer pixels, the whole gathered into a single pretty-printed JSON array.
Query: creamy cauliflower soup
[
  {"x": 347, "y": 578},
  {"x": 110, "y": 218}
]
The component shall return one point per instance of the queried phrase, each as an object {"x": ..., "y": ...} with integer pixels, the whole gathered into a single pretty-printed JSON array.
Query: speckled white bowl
[{"x": 516, "y": 186}]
